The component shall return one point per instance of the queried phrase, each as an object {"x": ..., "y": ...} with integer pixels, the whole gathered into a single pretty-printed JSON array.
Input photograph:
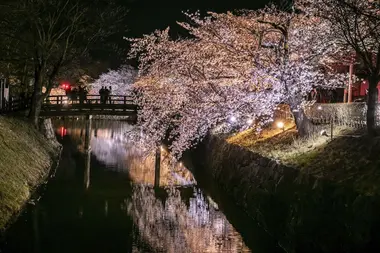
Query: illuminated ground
[{"x": 350, "y": 158}]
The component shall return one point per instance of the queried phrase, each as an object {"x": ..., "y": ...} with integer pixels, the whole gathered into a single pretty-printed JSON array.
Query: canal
[{"x": 102, "y": 198}]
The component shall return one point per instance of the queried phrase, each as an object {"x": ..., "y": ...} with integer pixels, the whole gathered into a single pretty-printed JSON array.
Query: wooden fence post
[{"x": 332, "y": 126}]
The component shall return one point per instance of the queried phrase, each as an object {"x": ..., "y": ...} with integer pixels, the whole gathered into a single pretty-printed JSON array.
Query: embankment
[
  {"x": 303, "y": 213},
  {"x": 26, "y": 157}
]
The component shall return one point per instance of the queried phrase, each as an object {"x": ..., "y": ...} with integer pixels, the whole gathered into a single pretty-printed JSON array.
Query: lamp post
[{"x": 281, "y": 125}]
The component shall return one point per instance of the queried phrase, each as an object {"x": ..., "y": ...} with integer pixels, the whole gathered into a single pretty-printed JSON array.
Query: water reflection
[
  {"x": 103, "y": 200},
  {"x": 110, "y": 146},
  {"x": 174, "y": 226}
]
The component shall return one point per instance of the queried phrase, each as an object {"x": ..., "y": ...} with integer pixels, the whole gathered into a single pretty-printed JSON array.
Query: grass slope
[
  {"x": 350, "y": 158},
  {"x": 25, "y": 160}
]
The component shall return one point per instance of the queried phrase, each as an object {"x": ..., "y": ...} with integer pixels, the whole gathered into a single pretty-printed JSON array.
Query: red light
[
  {"x": 63, "y": 131},
  {"x": 65, "y": 86}
]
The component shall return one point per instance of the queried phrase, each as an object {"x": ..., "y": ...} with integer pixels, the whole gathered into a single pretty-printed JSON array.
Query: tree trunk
[
  {"x": 37, "y": 100},
  {"x": 371, "y": 105},
  {"x": 304, "y": 126}
]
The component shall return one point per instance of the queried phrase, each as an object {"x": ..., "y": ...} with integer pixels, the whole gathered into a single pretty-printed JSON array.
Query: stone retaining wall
[{"x": 304, "y": 214}]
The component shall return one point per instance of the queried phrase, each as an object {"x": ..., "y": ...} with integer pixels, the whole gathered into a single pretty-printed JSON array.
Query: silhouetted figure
[
  {"x": 101, "y": 93},
  {"x": 74, "y": 94},
  {"x": 109, "y": 94},
  {"x": 82, "y": 95},
  {"x": 106, "y": 95}
]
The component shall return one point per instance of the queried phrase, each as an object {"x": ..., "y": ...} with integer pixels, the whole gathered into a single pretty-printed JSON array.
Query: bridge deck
[{"x": 91, "y": 105}]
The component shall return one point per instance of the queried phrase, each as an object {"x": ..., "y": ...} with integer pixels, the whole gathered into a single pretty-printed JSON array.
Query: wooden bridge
[{"x": 91, "y": 105}]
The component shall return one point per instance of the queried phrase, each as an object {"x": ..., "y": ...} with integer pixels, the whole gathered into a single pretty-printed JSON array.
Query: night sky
[{"x": 147, "y": 15}]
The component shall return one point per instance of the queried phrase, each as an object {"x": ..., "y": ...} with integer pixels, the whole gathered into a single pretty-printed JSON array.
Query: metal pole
[{"x": 157, "y": 166}]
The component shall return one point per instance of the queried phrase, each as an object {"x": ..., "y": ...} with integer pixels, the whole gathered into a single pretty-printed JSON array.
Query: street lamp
[
  {"x": 281, "y": 125},
  {"x": 232, "y": 119}
]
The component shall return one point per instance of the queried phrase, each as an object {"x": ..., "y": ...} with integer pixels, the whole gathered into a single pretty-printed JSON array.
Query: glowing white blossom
[
  {"x": 120, "y": 80},
  {"x": 236, "y": 68}
]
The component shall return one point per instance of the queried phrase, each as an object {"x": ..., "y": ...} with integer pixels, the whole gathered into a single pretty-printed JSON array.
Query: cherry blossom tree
[
  {"x": 296, "y": 57},
  {"x": 355, "y": 25},
  {"x": 234, "y": 67},
  {"x": 120, "y": 80},
  {"x": 189, "y": 86}
]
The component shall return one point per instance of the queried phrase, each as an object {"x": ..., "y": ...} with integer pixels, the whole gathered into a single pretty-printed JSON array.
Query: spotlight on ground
[
  {"x": 232, "y": 119},
  {"x": 324, "y": 133}
]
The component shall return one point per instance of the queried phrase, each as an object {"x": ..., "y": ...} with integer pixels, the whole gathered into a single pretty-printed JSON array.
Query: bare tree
[{"x": 54, "y": 35}]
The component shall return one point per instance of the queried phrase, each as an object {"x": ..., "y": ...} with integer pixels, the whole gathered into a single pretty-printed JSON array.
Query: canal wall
[
  {"x": 302, "y": 213},
  {"x": 26, "y": 157}
]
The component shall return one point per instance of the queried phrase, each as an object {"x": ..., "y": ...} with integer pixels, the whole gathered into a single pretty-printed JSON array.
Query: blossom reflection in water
[
  {"x": 110, "y": 143},
  {"x": 174, "y": 227},
  {"x": 175, "y": 218}
]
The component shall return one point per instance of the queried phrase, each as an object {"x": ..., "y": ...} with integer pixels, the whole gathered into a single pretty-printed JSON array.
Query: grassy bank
[
  {"x": 25, "y": 160},
  {"x": 350, "y": 158}
]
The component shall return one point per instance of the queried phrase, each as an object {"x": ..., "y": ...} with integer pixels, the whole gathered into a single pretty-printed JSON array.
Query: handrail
[
  {"x": 89, "y": 99},
  {"x": 62, "y": 105},
  {"x": 13, "y": 105}
]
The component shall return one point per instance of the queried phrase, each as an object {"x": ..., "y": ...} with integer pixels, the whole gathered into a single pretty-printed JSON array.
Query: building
[
  {"x": 359, "y": 91},
  {"x": 355, "y": 91}
]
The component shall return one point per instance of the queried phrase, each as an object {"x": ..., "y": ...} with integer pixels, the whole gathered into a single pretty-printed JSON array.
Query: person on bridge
[
  {"x": 73, "y": 94},
  {"x": 109, "y": 94},
  {"x": 82, "y": 94},
  {"x": 101, "y": 93},
  {"x": 106, "y": 95}
]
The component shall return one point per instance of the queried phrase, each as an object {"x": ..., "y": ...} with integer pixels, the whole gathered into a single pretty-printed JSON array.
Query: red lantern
[{"x": 65, "y": 86}]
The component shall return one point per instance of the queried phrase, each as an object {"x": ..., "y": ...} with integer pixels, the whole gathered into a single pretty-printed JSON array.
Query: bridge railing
[
  {"x": 89, "y": 99},
  {"x": 14, "y": 105}
]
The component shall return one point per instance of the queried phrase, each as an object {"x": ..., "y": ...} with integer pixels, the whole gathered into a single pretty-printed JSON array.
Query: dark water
[{"x": 107, "y": 203}]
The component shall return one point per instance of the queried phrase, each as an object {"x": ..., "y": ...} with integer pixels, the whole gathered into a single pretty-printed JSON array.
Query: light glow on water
[{"x": 176, "y": 217}]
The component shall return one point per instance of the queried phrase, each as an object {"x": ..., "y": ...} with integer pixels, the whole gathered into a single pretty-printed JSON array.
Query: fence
[
  {"x": 88, "y": 99},
  {"x": 14, "y": 105},
  {"x": 343, "y": 114}
]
